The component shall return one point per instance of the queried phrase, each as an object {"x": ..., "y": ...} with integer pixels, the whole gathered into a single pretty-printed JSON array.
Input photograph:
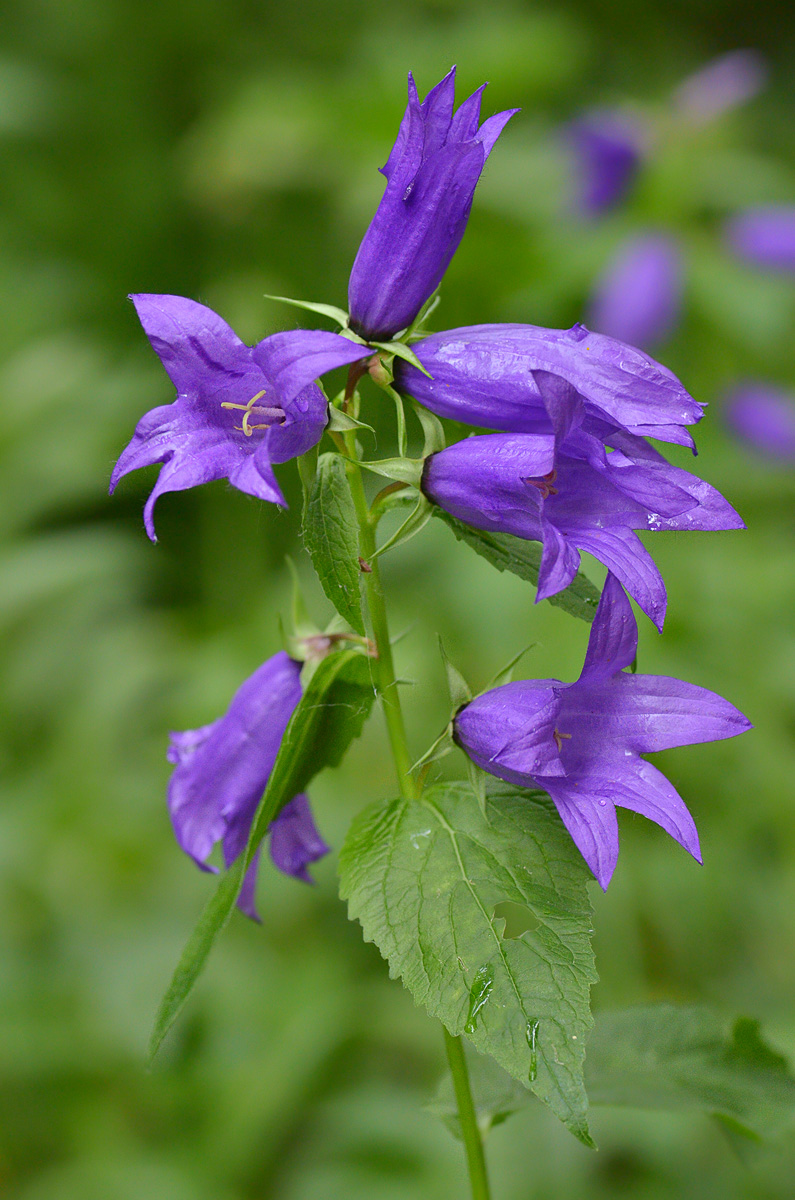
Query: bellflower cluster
[
  {"x": 582, "y": 742},
  {"x": 220, "y": 773},
  {"x": 566, "y": 462}
]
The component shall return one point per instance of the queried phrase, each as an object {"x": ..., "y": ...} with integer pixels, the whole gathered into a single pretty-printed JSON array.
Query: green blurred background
[{"x": 225, "y": 150}]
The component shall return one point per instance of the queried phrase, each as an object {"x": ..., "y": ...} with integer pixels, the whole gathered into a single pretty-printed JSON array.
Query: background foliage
[{"x": 222, "y": 151}]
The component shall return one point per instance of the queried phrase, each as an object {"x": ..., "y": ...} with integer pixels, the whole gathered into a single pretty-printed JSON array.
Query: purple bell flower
[
  {"x": 221, "y": 771},
  {"x": 764, "y": 418},
  {"x": 501, "y": 376},
  {"x": 638, "y": 298},
  {"x": 765, "y": 236},
  {"x": 608, "y": 148},
  {"x": 576, "y": 497},
  {"x": 431, "y": 174},
  {"x": 238, "y": 409},
  {"x": 581, "y": 742},
  {"x": 720, "y": 85}
]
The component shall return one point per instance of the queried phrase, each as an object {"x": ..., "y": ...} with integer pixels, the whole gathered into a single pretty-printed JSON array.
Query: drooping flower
[
  {"x": 638, "y": 298},
  {"x": 608, "y": 147},
  {"x": 720, "y": 85},
  {"x": 221, "y": 771},
  {"x": 765, "y": 236},
  {"x": 238, "y": 409},
  {"x": 764, "y": 418},
  {"x": 431, "y": 174},
  {"x": 576, "y": 496},
  {"x": 581, "y": 742},
  {"x": 499, "y": 377}
]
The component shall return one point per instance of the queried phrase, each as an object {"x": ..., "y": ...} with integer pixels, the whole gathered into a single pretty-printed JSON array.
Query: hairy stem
[{"x": 470, "y": 1132}]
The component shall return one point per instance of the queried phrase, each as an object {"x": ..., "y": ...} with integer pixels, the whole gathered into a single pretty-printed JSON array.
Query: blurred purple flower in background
[
  {"x": 608, "y": 146},
  {"x": 221, "y": 771},
  {"x": 764, "y": 236},
  {"x": 431, "y": 174},
  {"x": 581, "y": 742},
  {"x": 238, "y": 409},
  {"x": 638, "y": 298},
  {"x": 764, "y": 418},
  {"x": 494, "y": 375},
  {"x": 720, "y": 85},
  {"x": 576, "y": 496}
]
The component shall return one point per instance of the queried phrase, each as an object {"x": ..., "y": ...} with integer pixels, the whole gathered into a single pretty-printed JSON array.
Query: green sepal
[
  {"x": 506, "y": 674},
  {"x": 404, "y": 470},
  {"x": 327, "y": 310},
  {"x": 342, "y": 422},
  {"x": 458, "y": 689},
  {"x": 416, "y": 330},
  {"x": 401, "y": 350},
  {"x": 443, "y": 746},
  {"x": 302, "y": 624},
  {"x": 416, "y": 521},
  {"x": 432, "y": 429}
]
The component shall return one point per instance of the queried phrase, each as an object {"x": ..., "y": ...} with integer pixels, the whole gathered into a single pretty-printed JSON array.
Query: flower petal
[
  {"x": 295, "y": 841},
  {"x": 644, "y": 713},
  {"x": 622, "y": 553},
  {"x": 613, "y": 642},
  {"x": 294, "y": 359},
  {"x": 591, "y": 821},
  {"x": 637, "y": 785}
]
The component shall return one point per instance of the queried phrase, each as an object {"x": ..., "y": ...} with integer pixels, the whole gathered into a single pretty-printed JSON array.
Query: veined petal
[
  {"x": 205, "y": 456},
  {"x": 254, "y": 475},
  {"x": 194, "y": 344},
  {"x": 559, "y": 562},
  {"x": 644, "y": 713},
  {"x": 492, "y": 127},
  {"x": 294, "y": 359},
  {"x": 637, "y": 785},
  {"x": 622, "y": 553},
  {"x": 613, "y": 642},
  {"x": 591, "y": 820}
]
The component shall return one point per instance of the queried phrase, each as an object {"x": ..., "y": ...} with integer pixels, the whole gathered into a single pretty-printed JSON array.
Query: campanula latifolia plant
[{"x": 560, "y": 461}]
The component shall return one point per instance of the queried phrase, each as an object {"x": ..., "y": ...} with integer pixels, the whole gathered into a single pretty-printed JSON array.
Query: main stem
[
  {"x": 470, "y": 1132},
  {"x": 396, "y": 729},
  {"x": 385, "y": 665}
]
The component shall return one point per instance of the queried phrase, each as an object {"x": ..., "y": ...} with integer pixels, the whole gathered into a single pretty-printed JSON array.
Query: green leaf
[
  {"x": 331, "y": 535},
  {"x": 327, "y": 310},
  {"x": 342, "y": 422},
  {"x": 414, "y": 523},
  {"x": 668, "y": 1056},
  {"x": 329, "y": 715},
  {"x": 523, "y": 558},
  {"x": 401, "y": 350},
  {"x": 424, "y": 876}
]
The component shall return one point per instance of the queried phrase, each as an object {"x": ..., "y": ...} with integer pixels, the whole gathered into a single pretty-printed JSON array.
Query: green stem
[
  {"x": 385, "y": 666},
  {"x": 393, "y": 713},
  {"x": 466, "y": 1115}
]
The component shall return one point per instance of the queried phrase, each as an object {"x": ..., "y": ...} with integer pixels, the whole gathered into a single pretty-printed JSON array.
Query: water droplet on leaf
[
  {"x": 531, "y": 1032},
  {"x": 479, "y": 994}
]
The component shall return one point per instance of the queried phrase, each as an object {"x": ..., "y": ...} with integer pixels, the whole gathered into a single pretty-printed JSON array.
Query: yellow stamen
[{"x": 246, "y": 428}]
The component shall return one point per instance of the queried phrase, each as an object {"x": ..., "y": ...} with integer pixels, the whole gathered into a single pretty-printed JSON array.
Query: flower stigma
[{"x": 252, "y": 409}]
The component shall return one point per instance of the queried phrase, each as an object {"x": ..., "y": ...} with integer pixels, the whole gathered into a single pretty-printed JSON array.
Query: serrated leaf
[
  {"x": 668, "y": 1056},
  {"x": 326, "y": 310},
  {"x": 523, "y": 558},
  {"x": 329, "y": 715},
  {"x": 331, "y": 535},
  {"x": 424, "y": 876}
]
